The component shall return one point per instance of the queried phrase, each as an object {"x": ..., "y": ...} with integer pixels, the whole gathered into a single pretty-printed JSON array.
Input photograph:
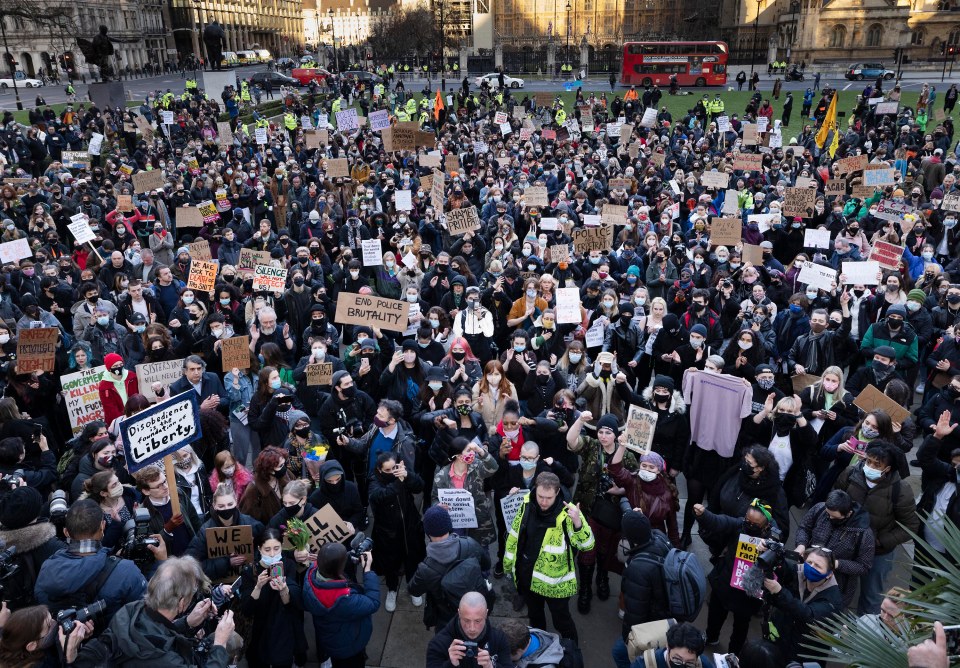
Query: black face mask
[
  {"x": 542, "y": 380},
  {"x": 281, "y": 472},
  {"x": 302, "y": 432},
  {"x": 784, "y": 422},
  {"x": 838, "y": 522},
  {"x": 661, "y": 397},
  {"x": 746, "y": 469},
  {"x": 459, "y": 356},
  {"x": 752, "y": 529},
  {"x": 228, "y": 514},
  {"x": 952, "y": 392},
  {"x": 350, "y": 392},
  {"x": 292, "y": 511},
  {"x": 894, "y": 325},
  {"x": 333, "y": 486}
]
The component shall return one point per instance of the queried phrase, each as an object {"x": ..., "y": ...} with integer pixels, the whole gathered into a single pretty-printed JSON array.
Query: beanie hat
[
  {"x": 897, "y": 309},
  {"x": 664, "y": 381},
  {"x": 762, "y": 368},
  {"x": 111, "y": 359},
  {"x": 20, "y": 507},
  {"x": 635, "y": 528},
  {"x": 338, "y": 376},
  {"x": 609, "y": 421},
  {"x": 294, "y": 416},
  {"x": 436, "y": 522},
  {"x": 917, "y": 296},
  {"x": 330, "y": 468},
  {"x": 699, "y": 329},
  {"x": 655, "y": 459},
  {"x": 885, "y": 351}
]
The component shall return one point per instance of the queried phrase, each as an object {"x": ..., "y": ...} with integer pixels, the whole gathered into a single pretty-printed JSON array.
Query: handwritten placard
[
  {"x": 235, "y": 353},
  {"x": 355, "y": 309},
  {"x": 203, "y": 275},
  {"x": 320, "y": 373}
]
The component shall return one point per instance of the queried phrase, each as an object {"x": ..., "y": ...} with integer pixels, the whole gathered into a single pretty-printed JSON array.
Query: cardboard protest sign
[
  {"x": 746, "y": 556},
  {"x": 712, "y": 179},
  {"x": 228, "y": 541},
  {"x": 337, "y": 167},
  {"x": 879, "y": 177},
  {"x": 144, "y": 182},
  {"x": 725, "y": 231},
  {"x": 803, "y": 381},
  {"x": 860, "y": 191},
  {"x": 614, "y": 214},
  {"x": 817, "y": 276},
  {"x": 951, "y": 202},
  {"x": 189, "y": 216},
  {"x": 764, "y": 221},
  {"x": 145, "y": 128},
  {"x": 544, "y": 99},
  {"x": 871, "y": 399},
  {"x": 568, "y": 306},
  {"x": 235, "y": 353},
  {"x": 224, "y": 134},
  {"x": 536, "y": 196},
  {"x": 451, "y": 163},
  {"x": 320, "y": 373},
  {"x": 799, "y": 202},
  {"x": 816, "y": 238},
  {"x": 887, "y": 254},
  {"x": 836, "y": 187},
  {"x": 316, "y": 138},
  {"x": 354, "y": 309},
  {"x": 510, "y": 506},
  {"x": 748, "y": 162},
  {"x": 14, "y": 251},
  {"x": 592, "y": 238},
  {"x": 270, "y": 278},
  {"x": 160, "y": 430},
  {"x": 203, "y": 275},
  {"x": 750, "y": 134},
  {"x": 372, "y": 252},
  {"x": 620, "y": 184},
  {"x": 200, "y": 250},
  {"x": 164, "y": 373},
  {"x": 81, "y": 395},
  {"x": 437, "y": 189},
  {"x": 861, "y": 273},
  {"x": 124, "y": 202},
  {"x": 37, "y": 349},
  {"x": 402, "y": 137},
  {"x": 430, "y": 161},
  {"x": 461, "y": 221},
  {"x": 249, "y": 259},
  {"x": 752, "y": 253},
  {"x": 459, "y": 503},
  {"x": 854, "y": 163},
  {"x": 887, "y": 209},
  {"x": 886, "y": 108},
  {"x": 559, "y": 253},
  {"x": 640, "y": 428},
  {"x": 731, "y": 202},
  {"x": 326, "y": 526}
]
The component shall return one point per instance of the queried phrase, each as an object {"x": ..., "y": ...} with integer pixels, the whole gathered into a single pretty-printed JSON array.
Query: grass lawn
[{"x": 23, "y": 116}]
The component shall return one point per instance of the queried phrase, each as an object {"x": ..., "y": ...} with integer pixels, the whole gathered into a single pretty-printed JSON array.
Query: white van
[
  {"x": 264, "y": 55},
  {"x": 247, "y": 57}
]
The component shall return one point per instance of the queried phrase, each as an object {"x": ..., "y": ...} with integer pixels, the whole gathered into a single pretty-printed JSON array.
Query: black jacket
[
  {"x": 441, "y": 557},
  {"x": 491, "y": 639},
  {"x": 644, "y": 595},
  {"x": 937, "y": 474}
]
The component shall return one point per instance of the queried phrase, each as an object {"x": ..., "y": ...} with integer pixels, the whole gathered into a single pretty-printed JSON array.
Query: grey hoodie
[{"x": 548, "y": 655}]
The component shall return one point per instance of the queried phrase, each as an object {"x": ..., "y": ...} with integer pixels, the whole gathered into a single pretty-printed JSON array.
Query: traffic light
[
  {"x": 943, "y": 48},
  {"x": 951, "y": 50},
  {"x": 896, "y": 55}
]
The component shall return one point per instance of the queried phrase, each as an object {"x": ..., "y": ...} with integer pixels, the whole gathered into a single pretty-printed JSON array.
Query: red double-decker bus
[{"x": 694, "y": 63}]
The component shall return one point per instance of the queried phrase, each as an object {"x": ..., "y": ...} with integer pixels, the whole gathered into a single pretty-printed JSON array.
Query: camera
[
  {"x": 69, "y": 618},
  {"x": 361, "y": 543},
  {"x": 775, "y": 555},
  {"x": 605, "y": 482},
  {"x": 137, "y": 537},
  {"x": 58, "y": 505},
  {"x": 471, "y": 649},
  {"x": 11, "y": 481}
]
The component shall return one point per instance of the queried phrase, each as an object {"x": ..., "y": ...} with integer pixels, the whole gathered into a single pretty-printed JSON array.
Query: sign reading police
[{"x": 161, "y": 429}]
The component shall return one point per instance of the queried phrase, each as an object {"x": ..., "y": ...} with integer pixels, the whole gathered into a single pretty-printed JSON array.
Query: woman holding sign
[{"x": 470, "y": 464}]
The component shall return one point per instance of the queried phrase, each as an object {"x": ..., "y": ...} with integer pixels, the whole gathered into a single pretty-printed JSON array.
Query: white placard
[
  {"x": 80, "y": 228},
  {"x": 459, "y": 503},
  {"x": 323, "y": 121},
  {"x": 613, "y": 129},
  {"x": 505, "y": 129},
  {"x": 568, "y": 306},
  {"x": 14, "y": 251},
  {"x": 412, "y": 324},
  {"x": 762, "y": 123},
  {"x": 166, "y": 117},
  {"x": 510, "y": 505},
  {"x": 549, "y": 224},
  {"x": 82, "y": 397},
  {"x": 500, "y": 117},
  {"x": 404, "y": 200},
  {"x": 409, "y": 261},
  {"x": 347, "y": 120},
  {"x": 160, "y": 429},
  {"x": 649, "y": 117},
  {"x": 817, "y": 276},
  {"x": 723, "y": 123},
  {"x": 379, "y": 120},
  {"x": 306, "y": 123},
  {"x": 818, "y": 238},
  {"x": 590, "y": 220},
  {"x": 372, "y": 253},
  {"x": 96, "y": 143},
  {"x": 594, "y": 337},
  {"x": 764, "y": 221},
  {"x": 260, "y": 135},
  {"x": 861, "y": 273}
]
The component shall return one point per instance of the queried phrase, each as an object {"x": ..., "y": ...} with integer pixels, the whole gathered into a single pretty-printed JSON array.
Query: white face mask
[
  {"x": 647, "y": 476},
  {"x": 4, "y": 338}
]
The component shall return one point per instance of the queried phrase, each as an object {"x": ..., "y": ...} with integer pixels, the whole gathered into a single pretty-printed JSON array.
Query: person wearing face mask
[
  {"x": 828, "y": 405},
  {"x": 801, "y": 595},
  {"x": 225, "y": 513},
  {"x": 875, "y": 483},
  {"x": 103, "y": 334},
  {"x": 117, "y": 384},
  {"x": 893, "y": 333},
  {"x": 842, "y": 526},
  {"x": 343, "y": 496},
  {"x": 918, "y": 265},
  {"x": 791, "y": 440},
  {"x": 755, "y": 521},
  {"x": 813, "y": 352},
  {"x": 33, "y": 638},
  {"x": 661, "y": 274},
  {"x": 192, "y": 477},
  {"x": 262, "y": 498},
  {"x": 883, "y": 369},
  {"x": 469, "y": 465}
]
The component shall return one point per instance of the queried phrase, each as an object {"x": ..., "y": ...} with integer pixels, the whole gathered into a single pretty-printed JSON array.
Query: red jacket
[{"x": 110, "y": 398}]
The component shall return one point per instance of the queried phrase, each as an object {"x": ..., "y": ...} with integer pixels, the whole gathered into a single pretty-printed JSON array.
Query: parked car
[
  {"x": 367, "y": 77},
  {"x": 274, "y": 78},
  {"x": 494, "y": 80},
  {"x": 22, "y": 83},
  {"x": 286, "y": 62},
  {"x": 861, "y": 71},
  {"x": 305, "y": 75}
]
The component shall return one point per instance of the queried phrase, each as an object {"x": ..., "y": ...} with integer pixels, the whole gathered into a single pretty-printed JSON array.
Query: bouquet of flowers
[
  {"x": 314, "y": 458},
  {"x": 297, "y": 533}
]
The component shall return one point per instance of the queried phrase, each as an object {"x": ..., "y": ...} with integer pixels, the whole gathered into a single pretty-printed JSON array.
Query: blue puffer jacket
[
  {"x": 65, "y": 573},
  {"x": 342, "y": 612}
]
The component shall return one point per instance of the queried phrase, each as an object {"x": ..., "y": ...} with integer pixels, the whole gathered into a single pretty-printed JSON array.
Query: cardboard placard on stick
[
  {"x": 228, "y": 541},
  {"x": 326, "y": 526},
  {"x": 592, "y": 238},
  {"x": 559, "y": 253},
  {"x": 203, "y": 275},
  {"x": 124, "y": 203},
  {"x": 614, "y": 214},
  {"x": 37, "y": 349},
  {"x": 871, "y": 399},
  {"x": 836, "y": 187},
  {"x": 354, "y": 309},
  {"x": 854, "y": 163},
  {"x": 320, "y": 373},
  {"x": 338, "y": 167},
  {"x": 536, "y": 196},
  {"x": 235, "y": 353},
  {"x": 752, "y": 253},
  {"x": 726, "y": 231}
]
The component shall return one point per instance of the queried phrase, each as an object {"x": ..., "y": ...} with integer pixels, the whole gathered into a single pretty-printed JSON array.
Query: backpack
[
  {"x": 685, "y": 583},
  {"x": 88, "y": 594},
  {"x": 18, "y": 589},
  {"x": 463, "y": 576}
]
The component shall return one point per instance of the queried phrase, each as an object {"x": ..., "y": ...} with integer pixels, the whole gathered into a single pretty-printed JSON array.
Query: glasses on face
[
  {"x": 160, "y": 485},
  {"x": 677, "y": 662}
]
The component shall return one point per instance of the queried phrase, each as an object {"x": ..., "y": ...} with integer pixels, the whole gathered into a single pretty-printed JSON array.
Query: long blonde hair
[{"x": 818, "y": 386}]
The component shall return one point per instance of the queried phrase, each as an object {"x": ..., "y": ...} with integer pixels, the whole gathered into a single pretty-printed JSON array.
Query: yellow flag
[
  {"x": 828, "y": 122},
  {"x": 835, "y": 142}
]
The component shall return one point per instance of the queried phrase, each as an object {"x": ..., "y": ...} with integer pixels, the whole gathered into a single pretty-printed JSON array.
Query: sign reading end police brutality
[
  {"x": 354, "y": 309},
  {"x": 159, "y": 430}
]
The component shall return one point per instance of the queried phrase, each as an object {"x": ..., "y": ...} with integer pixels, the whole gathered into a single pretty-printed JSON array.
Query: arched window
[
  {"x": 837, "y": 36},
  {"x": 917, "y": 37},
  {"x": 874, "y": 34},
  {"x": 954, "y": 38}
]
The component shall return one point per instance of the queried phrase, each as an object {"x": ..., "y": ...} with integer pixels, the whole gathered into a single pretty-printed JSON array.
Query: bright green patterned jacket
[{"x": 554, "y": 572}]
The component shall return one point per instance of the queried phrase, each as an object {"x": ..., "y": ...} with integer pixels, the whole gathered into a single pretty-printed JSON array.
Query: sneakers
[
  {"x": 417, "y": 601},
  {"x": 391, "y": 601}
]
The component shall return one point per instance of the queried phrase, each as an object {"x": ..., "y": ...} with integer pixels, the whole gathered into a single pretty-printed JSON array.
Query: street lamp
[
  {"x": 443, "y": 69},
  {"x": 567, "y": 47},
  {"x": 13, "y": 65},
  {"x": 333, "y": 31},
  {"x": 756, "y": 29}
]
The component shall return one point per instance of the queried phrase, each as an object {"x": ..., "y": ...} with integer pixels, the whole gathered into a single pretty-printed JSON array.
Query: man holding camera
[
  {"x": 342, "y": 610},
  {"x": 85, "y": 572},
  {"x": 157, "y": 630},
  {"x": 468, "y": 640},
  {"x": 12, "y": 453}
]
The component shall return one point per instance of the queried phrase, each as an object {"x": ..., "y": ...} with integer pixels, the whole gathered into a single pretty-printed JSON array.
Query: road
[{"x": 139, "y": 88}]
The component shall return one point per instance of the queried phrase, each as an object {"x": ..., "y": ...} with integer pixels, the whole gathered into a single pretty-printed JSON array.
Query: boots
[
  {"x": 603, "y": 584},
  {"x": 586, "y": 589}
]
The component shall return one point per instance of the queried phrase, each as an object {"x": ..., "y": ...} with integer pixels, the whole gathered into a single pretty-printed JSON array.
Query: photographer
[
  {"x": 802, "y": 595},
  {"x": 12, "y": 453},
  {"x": 468, "y": 640},
  {"x": 342, "y": 610},
  {"x": 176, "y": 530},
  {"x": 30, "y": 639},
  {"x": 157, "y": 631},
  {"x": 35, "y": 540},
  {"x": 84, "y": 572},
  {"x": 225, "y": 514}
]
